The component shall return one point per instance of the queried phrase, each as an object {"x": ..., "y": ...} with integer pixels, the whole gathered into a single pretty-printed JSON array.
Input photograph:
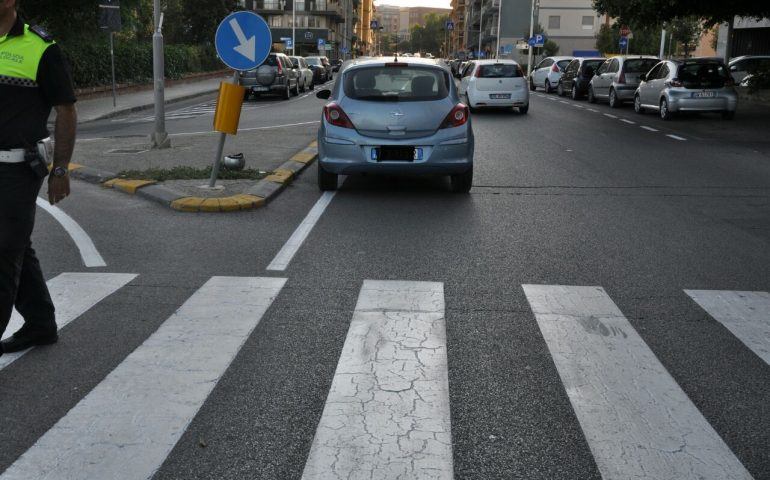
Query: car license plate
[
  {"x": 704, "y": 94},
  {"x": 401, "y": 154},
  {"x": 495, "y": 96},
  {"x": 260, "y": 89}
]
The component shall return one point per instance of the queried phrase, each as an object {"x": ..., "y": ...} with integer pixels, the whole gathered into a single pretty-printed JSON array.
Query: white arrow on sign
[{"x": 247, "y": 48}]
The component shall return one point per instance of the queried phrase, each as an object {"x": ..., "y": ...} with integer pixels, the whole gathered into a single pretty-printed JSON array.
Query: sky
[{"x": 416, "y": 3}]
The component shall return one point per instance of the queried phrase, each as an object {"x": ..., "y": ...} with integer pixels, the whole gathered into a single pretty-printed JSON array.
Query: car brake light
[
  {"x": 478, "y": 72},
  {"x": 674, "y": 82},
  {"x": 280, "y": 68},
  {"x": 622, "y": 77},
  {"x": 336, "y": 116},
  {"x": 555, "y": 68},
  {"x": 457, "y": 116}
]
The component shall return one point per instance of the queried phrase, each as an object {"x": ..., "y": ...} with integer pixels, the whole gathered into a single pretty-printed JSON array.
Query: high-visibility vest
[{"x": 20, "y": 56}]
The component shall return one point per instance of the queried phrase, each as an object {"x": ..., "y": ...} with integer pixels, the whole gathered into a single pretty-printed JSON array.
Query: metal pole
[
  {"x": 662, "y": 42},
  {"x": 112, "y": 59},
  {"x": 499, "y": 12},
  {"x": 293, "y": 25},
  {"x": 221, "y": 144},
  {"x": 481, "y": 28},
  {"x": 159, "y": 138},
  {"x": 531, "y": 32}
]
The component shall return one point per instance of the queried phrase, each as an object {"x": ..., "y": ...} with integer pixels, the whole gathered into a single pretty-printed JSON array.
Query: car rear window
[
  {"x": 313, "y": 61},
  {"x": 499, "y": 70},
  {"x": 592, "y": 63},
  {"x": 396, "y": 83},
  {"x": 271, "y": 60},
  {"x": 563, "y": 63},
  {"x": 703, "y": 75},
  {"x": 640, "y": 65}
]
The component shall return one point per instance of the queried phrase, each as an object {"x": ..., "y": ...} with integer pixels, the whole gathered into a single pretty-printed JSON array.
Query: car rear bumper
[
  {"x": 625, "y": 93},
  {"x": 686, "y": 103},
  {"x": 519, "y": 98}
]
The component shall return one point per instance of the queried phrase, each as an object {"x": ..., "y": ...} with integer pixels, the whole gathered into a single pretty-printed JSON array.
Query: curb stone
[{"x": 264, "y": 191}]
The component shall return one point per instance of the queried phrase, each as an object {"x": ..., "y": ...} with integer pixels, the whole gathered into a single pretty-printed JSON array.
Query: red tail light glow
[
  {"x": 457, "y": 116},
  {"x": 478, "y": 72},
  {"x": 622, "y": 77},
  {"x": 336, "y": 116},
  {"x": 555, "y": 68},
  {"x": 280, "y": 67},
  {"x": 675, "y": 82}
]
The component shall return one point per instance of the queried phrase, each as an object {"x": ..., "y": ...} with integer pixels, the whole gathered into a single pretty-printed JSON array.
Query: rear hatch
[
  {"x": 499, "y": 77},
  {"x": 634, "y": 67},
  {"x": 396, "y": 101},
  {"x": 703, "y": 75}
]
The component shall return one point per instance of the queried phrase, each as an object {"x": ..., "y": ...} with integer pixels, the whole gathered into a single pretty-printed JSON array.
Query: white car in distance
[{"x": 494, "y": 83}]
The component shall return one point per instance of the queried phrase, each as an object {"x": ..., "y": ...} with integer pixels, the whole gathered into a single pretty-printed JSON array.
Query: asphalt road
[{"x": 564, "y": 196}]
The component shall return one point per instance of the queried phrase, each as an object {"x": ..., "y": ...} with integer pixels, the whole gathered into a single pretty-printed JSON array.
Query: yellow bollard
[{"x": 228, "y": 112}]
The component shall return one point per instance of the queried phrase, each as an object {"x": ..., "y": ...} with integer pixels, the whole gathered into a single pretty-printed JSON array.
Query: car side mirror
[{"x": 324, "y": 94}]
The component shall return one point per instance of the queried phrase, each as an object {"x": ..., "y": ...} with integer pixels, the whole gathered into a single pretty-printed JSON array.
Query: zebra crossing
[
  {"x": 387, "y": 413},
  {"x": 192, "y": 111}
]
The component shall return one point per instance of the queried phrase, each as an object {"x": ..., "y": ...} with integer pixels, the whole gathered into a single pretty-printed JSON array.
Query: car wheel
[
  {"x": 468, "y": 102},
  {"x": 548, "y": 88},
  {"x": 302, "y": 88},
  {"x": 462, "y": 183},
  {"x": 312, "y": 85},
  {"x": 638, "y": 104},
  {"x": 614, "y": 102},
  {"x": 574, "y": 93},
  {"x": 560, "y": 89},
  {"x": 591, "y": 98},
  {"x": 246, "y": 96},
  {"x": 295, "y": 92},
  {"x": 326, "y": 181},
  {"x": 523, "y": 110},
  {"x": 532, "y": 84},
  {"x": 665, "y": 113},
  {"x": 728, "y": 115},
  {"x": 287, "y": 92}
]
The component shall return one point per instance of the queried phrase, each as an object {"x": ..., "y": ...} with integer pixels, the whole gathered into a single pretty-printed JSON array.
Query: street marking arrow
[{"x": 247, "y": 48}]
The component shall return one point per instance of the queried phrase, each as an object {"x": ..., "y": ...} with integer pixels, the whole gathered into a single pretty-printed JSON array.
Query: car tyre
[
  {"x": 312, "y": 85},
  {"x": 548, "y": 88},
  {"x": 303, "y": 88},
  {"x": 287, "y": 92},
  {"x": 665, "y": 113},
  {"x": 613, "y": 100},
  {"x": 532, "y": 84},
  {"x": 295, "y": 91},
  {"x": 327, "y": 181},
  {"x": 728, "y": 114},
  {"x": 523, "y": 110},
  {"x": 462, "y": 182},
  {"x": 638, "y": 108},
  {"x": 591, "y": 97},
  {"x": 574, "y": 93},
  {"x": 560, "y": 89}
]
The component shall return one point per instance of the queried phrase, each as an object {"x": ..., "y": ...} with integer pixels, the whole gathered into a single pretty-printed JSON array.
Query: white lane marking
[
  {"x": 387, "y": 413},
  {"x": 627, "y": 121},
  {"x": 577, "y": 105},
  {"x": 88, "y": 252},
  {"x": 676, "y": 137},
  {"x": 73, "y": 294},
  {"x": 593, "y": 110},
  {"x": 745, "y": 314},
  {"x": 563, "y": 101},
  {"x": 290, "y": 248},
  {"x": 637, "y": 420},
  {"x": 551, "y": 98},
  {"x": 610, "y": 115},
  {"x": 247, "y": 129},
  {"x": 127, "y": 425},
  {"x": 650, "y": 129}
]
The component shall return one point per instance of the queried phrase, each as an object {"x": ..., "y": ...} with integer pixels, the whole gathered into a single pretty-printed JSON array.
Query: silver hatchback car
[
  {"x": 395, "y": 116},
  {"x": 691, "y": 85},
  {"x": 617, "y": 78}
]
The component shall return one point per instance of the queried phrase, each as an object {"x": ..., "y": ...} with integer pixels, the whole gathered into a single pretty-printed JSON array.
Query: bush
[{"x": 90, "y": 61}]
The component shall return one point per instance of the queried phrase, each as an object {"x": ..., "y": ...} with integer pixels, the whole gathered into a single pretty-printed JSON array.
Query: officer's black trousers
[{"x": 21, "y": 281}]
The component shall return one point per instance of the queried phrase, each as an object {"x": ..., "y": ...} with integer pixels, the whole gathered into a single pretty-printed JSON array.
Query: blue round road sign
[{"x": 243, "y": 40}]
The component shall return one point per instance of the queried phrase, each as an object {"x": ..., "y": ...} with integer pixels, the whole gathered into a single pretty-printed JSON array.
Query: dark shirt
[{"x": 24, "y": 111}]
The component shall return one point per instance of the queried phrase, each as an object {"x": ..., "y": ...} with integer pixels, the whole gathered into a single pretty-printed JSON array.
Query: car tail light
[
  {"x": 336, "y": 116},
  {"x": 457, "y": 116},
  {"x": 622, "y": 77},
  {"x": 555, "y": 68},
  {"x": 674, "y": 82},
  {"x": 478, "y": 72},
  {"x": 280, "y": 68}
]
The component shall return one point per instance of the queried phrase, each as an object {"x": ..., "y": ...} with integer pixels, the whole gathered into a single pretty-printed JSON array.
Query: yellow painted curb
[
  {"x": 209, "y": 205},
  {"x": 314, "y": 144},
  {"x": 280, "y": 176},
  {"x": 128, "y": 186},
  {"x": 247, "y": 202},
  {"x": 187, "y": 204},
  {"x": 228, "y": 204},
  {"x": 304, "y": 157},
  {"x": 74, "y": 166}
]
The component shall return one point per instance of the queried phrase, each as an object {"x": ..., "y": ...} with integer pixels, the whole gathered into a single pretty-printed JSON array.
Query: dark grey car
[
  {"x": 617, "y": 78},
  {"x": 276, "y": 75}
]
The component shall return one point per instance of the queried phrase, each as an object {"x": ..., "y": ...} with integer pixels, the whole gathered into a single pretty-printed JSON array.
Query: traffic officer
[{"x": 33, "y": 79}]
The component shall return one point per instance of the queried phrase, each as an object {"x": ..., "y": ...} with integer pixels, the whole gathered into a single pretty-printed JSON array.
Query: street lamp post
[
  {"x": 481, "y": 28},
  {"x": 293, "y": 26},
  {"x": 531, "y": 32},
  {"x": 499, "y": 11},
  {"x": 159, "y": 138}
]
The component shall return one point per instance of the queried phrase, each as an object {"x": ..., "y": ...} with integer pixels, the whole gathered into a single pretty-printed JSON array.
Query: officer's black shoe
[{"x": 23, "y": 340}]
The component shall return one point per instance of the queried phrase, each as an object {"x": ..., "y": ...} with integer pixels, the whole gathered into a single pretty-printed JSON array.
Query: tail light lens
[
  {"x": 457, "y": 116},
  {"x": 675, "y": 82},
  {"x": 622, "y": 77},
  {"x": 555, "y": 68},
  {"x": 280, "y": 67},
  {"x": 519, "y": 71},
  {"x": 478, "y": 72},
  {"x": 336, "y": 116}
]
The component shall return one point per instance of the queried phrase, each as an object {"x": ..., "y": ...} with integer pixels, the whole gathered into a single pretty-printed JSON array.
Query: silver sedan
[{"x": 397, "y": 117}]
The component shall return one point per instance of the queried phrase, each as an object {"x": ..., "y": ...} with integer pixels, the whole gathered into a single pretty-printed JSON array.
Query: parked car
[
  {"x": 322, "y": 72},
  {"x": 546, "y": 74},
  {"x": 494, "y": 83},
  {"x": 617, "y": 78},
  {"x": 336, "y": 66},
  {"x": 577, "y": 75},
  {"x": 741, "y": 67},
  {"x": 395, "y": 118},
  {"x": 276, "y": 75},
  {"x": 690, "y": 85},
  {"x": 305, "y": 74}
]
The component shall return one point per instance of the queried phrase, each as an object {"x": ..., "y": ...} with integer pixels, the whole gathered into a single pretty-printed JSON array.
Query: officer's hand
[{"x": 58, "y": 188}]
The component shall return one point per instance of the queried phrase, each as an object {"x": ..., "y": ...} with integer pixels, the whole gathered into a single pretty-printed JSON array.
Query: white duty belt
[{"x": 15, "y": 155}]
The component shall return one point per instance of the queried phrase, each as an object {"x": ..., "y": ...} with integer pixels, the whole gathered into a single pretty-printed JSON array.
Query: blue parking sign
[
  {"x": 321, "y": 43},
  {"x": 623, "y": 42},
  {"x": 243, "y": 40}
]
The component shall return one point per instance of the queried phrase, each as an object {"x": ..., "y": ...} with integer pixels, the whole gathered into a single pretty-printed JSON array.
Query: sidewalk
[{"x": 281, "y": 152}]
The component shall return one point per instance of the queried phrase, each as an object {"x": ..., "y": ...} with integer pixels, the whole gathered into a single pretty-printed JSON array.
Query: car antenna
[{"x": 395, "y": 59}]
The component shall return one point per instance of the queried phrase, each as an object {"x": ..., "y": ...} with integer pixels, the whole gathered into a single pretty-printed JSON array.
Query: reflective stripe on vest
[{"x": 20, "y": 57}]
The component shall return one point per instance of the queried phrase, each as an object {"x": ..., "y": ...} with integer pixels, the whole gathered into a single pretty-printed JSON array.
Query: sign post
[
  {"x": 109, "y": 20},
  {"x": 243, "y": 41}
]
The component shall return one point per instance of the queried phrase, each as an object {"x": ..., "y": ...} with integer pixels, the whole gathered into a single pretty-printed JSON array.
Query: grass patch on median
[{"x": 191, "y": 173}]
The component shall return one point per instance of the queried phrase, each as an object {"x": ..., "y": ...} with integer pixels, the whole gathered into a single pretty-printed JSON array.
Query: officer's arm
[{"x": 64, "y": 134}]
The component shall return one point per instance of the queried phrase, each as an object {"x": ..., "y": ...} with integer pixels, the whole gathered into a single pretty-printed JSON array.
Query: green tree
[
  {"x": 687, "y": 32},
  {"x": 645, "y": 41},
  {"x": 649, "y": 12}
]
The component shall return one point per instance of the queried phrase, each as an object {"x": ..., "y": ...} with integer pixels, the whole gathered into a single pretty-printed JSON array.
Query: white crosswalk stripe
[
  {"x": 188, "y": 112},
  {"x": 387, "y": 412},
  {"x": 637, "y": 420},
  {"x": 129, "y": 423},
  {"x": 72, "y": 295}
]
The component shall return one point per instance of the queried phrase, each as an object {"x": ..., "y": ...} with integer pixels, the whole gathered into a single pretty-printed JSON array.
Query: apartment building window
[
  {"x": 313, "y": 22},
  {"x": 276, "y": 21},
  {"x": 554, "y": 22},
  {"x": 588, "y": 22}
]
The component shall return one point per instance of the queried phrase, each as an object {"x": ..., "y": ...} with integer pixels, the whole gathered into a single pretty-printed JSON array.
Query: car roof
[
  {"x": 563, "y": 57},
  {"x": 390, "y": 59},
  {"x": 492, "y": 61},
  {"x": 683, "y": 61},
  {"x": 744, "y": 57}
]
